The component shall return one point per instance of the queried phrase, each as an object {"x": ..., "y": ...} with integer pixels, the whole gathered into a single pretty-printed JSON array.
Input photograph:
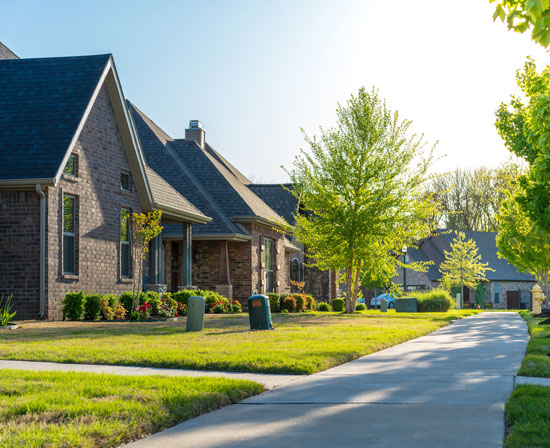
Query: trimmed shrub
[
  {"x": 125, "y": 299},
  {"x": 183, "y": 296},
  {"x": 153, "y": 299},
  {"x": 120, "y": 311},
  {"x": 73, "y": 305},
  {"x": 289, "y": 304},
  {"x": 436, "y": 300},
  {"x": 274, "y": 303},
  {"x": 300, "y": 302},
  {"x": 106, "y": 309},
  {"x": 168, "y": 307},
  {"x": 282, "y": 297},
  {"x": 323, "y": 306},
  {"x": 360, "y": 307},
  {"x": 338, "y": 305},
  {"x": 92, "y": 307},
  {"x": 310, "y": 303}
]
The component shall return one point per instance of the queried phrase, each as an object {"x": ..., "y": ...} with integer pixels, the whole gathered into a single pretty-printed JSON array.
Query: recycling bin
[
  {"x": 383, "y": 306},
  {"x": 406, "y": 305},
  {"x": 195, "y": 313},
  {"x": 259, "y": 312}
]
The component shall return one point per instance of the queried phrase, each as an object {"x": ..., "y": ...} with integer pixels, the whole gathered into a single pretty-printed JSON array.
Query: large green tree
[
  {"x": 362, "y": 185},
  {"x": 462, "y": 265},
  {"x": 523, "y": 15},
  {"x": 525, "y": 131},
  {"x": 523, "y": 244}
]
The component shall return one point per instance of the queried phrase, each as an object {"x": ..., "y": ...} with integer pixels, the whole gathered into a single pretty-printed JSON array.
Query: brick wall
[
  {"x": 19, "y": 251},
  {"x": 100, "y": 159},
  {"x": 504, "y": 287}
]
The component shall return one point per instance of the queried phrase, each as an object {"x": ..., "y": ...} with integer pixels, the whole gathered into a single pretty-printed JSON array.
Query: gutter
[{"x": 40, "y": 193}]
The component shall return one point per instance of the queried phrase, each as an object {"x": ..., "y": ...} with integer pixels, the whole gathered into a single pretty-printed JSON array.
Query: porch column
[
  {"x": 156, "y": 267},
  {"x": 187, "y": 254},
  {"x": 224, "y": 286}
]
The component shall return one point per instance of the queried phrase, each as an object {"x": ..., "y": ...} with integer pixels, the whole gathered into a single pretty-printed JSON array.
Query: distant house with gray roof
[
  {"x": 509, "y": 288},
  {"x": 72, "y": 171}
]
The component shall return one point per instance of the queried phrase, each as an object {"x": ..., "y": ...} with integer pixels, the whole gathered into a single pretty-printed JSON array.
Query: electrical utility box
[
  {"x": 195, "y": 313},
  {"x": 259, "y": 313}
]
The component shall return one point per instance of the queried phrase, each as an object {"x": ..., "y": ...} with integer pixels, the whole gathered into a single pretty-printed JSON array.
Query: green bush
[
  {"x": 125, "y": 299},
  {"x": 153, "y": 299},
  {"x": 323, "y": 306},
  {"x": 300, "y": 302},
  {"x": 360, "y": 307},
  {"x": 107, "y": 310},
  {"x": 289, "y": 304},
  {"x": 92, "y": 307},
  {"x": 311, "y": 305},
  {"x": 436, "y": 300},
  {"x": 183, "y": 296},
  {"x": 489, "y": 305},
  {"x": 210, "y": 297},
  {"x": 274, "y": 303},
  {"x": 338, "y": 305},
  {"x": 73, "y": 305}
]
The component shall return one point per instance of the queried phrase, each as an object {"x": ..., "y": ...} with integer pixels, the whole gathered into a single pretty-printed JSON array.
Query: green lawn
[
  {"x": 60, "y": 409},
  {"x": 300, "y": 344},
  {"x": 528, "y": 417},
  {"x": 537, "y": 359}
]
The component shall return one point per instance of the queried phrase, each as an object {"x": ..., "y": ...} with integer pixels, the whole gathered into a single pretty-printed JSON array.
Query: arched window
[{"x": 295, "y": 271}]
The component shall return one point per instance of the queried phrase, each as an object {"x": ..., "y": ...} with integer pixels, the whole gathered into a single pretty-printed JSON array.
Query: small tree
[
  {"x": 146, "y": 226},
  {"x": 462, "y": 265},
  {"x": 522, "y": 243},
  {"x": 362, "y": 187}
]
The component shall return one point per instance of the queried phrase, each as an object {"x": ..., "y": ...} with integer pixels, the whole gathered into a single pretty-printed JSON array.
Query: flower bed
[{"x": 148, "y": 306}]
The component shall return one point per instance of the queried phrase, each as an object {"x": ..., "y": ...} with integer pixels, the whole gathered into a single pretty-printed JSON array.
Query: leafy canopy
[
  {"x": 362, "y": 187},
  {"x": 523, "y": 15},
  {"x": 462, "y": 265}
]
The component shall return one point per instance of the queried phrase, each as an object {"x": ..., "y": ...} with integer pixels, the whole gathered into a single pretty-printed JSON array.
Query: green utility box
[
  {"x": 383, "y": 306},
  {"x": 259, "y": 313},
  {"x": 406, "y": 305},
  {"x": 195, "y": 313}
]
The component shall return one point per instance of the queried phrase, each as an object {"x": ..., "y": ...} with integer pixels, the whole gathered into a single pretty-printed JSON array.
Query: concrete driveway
[{"x": 446, "y": 389}]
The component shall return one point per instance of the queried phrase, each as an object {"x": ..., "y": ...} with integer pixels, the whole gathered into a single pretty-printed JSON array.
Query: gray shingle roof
[
  {"x": 433, "y": 249},
  {"x": 41, "y": 104},
  {"x": 203, "y": 176},
  {"x": 164, "y": 194},
  {"x": 6, "y": 53},
  {"x": 279, "y": 198}
]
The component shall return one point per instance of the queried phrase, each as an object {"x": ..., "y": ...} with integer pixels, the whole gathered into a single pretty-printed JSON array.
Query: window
[
  {"x": 124, "y": 181},
  {"x": 70, "y": 167},
  {"x": 295, "y": 274},
  {"x": 495, "y": 285},
  {"x": 69, "y": 235},
  {"x": 268, "y": 260},
  {"x": 125, "y": 243}
]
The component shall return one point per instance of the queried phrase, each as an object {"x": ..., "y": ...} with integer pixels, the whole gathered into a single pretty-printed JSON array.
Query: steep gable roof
[
  {"x": 206, "y": 178},
  {"x": 6, "y": 53},
  {"x": 434, "y": 249}
]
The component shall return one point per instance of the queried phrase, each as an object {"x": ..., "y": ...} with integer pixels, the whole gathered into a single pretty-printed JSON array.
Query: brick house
[
  {"x": 508, "y": 287},
  {"x": 71, "y": 173},
  {"x": 242, "y": 250}
]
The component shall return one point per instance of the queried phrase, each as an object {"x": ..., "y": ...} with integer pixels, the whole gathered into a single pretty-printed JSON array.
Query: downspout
[{"x": 42, "y": 312}]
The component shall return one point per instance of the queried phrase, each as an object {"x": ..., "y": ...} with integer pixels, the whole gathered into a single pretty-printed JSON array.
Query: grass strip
[
  {"x": 300, "y": 344},
  {"x": 528, "y": 417},
  {"x": 67, "y": 409},
  {"x": 537, "y": 356}
]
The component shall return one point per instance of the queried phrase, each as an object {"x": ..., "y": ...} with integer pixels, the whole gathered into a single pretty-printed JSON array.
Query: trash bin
[
  {"x": 195, "y": 313},
  {"x": 406, "y": 305},
  {"x": 383, "y": 306},
  {"x": 259, "y": 313}
]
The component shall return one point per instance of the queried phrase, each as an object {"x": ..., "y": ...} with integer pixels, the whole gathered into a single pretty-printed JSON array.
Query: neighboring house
[
  {"x": 71, "y": 173},
  {"x": 508, "y": 287},
  {"x": 320, "y": 284},
  {"x": 242, "y": 250}
]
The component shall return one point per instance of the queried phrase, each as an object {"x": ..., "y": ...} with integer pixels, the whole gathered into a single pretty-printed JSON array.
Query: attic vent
[{"x": 195, "y": 124}]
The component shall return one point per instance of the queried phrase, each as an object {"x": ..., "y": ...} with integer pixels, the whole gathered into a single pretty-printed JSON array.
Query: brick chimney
[{"x": 196, "y": 133}]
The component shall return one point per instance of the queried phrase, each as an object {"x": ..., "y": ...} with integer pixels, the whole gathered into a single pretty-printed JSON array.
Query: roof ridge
[{"x": 152, "y": 125}]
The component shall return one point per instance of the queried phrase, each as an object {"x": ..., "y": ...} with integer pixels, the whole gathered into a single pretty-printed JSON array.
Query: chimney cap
[{"x": 195, "y": 124}]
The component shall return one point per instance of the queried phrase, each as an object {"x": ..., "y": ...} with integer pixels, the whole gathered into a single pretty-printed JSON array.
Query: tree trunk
[{"x": 348, "y": 289}]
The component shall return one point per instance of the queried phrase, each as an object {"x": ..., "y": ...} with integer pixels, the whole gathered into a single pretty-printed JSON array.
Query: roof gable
[{"x": 6, "y": 53}]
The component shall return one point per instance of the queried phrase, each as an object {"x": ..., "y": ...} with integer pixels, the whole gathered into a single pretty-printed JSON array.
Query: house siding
[
  {"x": 19, "y": 251},
  {"x": 100, "y": 159}
]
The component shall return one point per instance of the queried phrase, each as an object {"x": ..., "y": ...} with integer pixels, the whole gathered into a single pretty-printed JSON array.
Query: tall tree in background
[
  {"x": 462, "y": 265},
  {"x": 363, "y": 186},
  {"x": 523, "y": 244},
  {"x": 470, "y": 198},
  {"x": 523, "y": 15}
]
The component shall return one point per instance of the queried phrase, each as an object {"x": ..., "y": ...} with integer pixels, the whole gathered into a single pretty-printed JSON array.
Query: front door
[
  {"x": 513, "y": 300},
  {"x": 268, "y": 263}
]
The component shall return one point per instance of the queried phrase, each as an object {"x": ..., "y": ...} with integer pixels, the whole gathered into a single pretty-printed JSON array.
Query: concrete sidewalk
[
  {"x": 269, "y": 381},
  {"x": 446, "y": 389}
]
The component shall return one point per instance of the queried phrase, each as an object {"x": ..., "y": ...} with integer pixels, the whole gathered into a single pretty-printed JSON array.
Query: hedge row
[
  {"x": 292, "y": 303},
  {"x": 435, "y": 300}
]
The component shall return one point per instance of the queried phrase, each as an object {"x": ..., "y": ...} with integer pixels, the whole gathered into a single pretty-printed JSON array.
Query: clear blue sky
[{"x": 255, "y": 72}]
